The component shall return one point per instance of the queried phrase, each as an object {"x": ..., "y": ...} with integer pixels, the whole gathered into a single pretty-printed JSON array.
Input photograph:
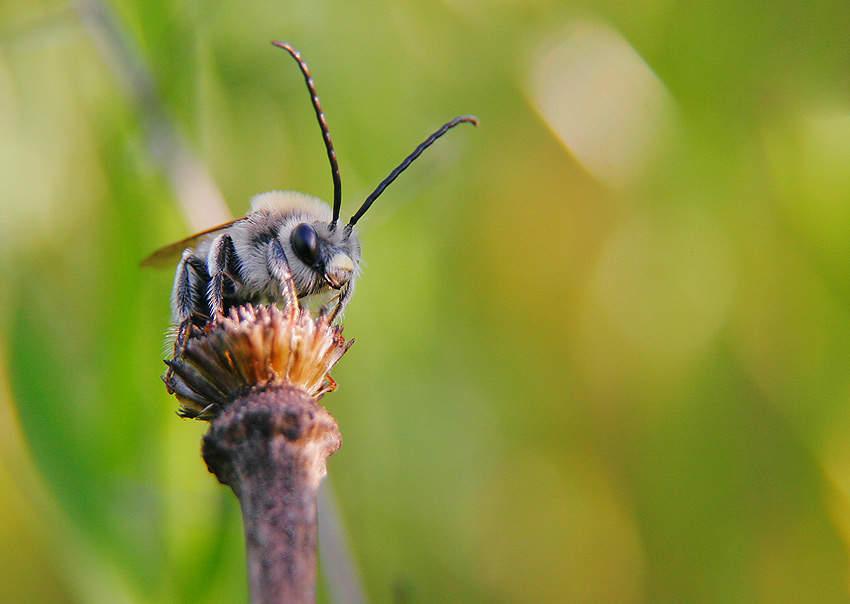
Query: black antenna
[
  {"x": 323, "y": 124},
  {"x": 407, "y": 161}
]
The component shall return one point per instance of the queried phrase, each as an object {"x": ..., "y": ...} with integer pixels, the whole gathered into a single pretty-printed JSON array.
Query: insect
[{"x": 289, "y": 247}]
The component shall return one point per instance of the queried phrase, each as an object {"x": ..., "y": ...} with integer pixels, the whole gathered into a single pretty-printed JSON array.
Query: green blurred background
[{"x": 603, "y": 340}]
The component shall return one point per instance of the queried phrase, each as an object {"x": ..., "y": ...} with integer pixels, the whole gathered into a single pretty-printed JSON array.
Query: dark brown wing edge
[{"x": 168, "y": 255}]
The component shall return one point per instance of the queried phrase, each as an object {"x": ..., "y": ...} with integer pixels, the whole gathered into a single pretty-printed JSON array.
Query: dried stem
[
  {"x": 270, "y": 447},
  {"x": 257, "y": 376}
]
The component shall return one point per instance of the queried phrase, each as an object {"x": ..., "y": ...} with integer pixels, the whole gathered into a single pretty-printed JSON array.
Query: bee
[{"x": 290, "y": 247}]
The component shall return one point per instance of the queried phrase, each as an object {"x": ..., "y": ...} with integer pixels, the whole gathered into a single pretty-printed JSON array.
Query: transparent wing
[{"x": 170, "y": 254}]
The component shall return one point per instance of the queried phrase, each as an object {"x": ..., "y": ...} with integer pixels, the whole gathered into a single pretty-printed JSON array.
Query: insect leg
[
  {"x": 278, "y": 267},
  {"x": 342, "y": 301},
  {"x": 190, "y": 277},
  {"x": 222, "y": 259}
]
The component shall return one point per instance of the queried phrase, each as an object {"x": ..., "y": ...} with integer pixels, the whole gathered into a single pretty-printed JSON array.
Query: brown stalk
[{"x": 256, "y": 376}]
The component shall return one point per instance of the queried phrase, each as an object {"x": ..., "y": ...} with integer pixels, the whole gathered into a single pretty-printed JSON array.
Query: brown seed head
[{"x": 254, "y": 348}]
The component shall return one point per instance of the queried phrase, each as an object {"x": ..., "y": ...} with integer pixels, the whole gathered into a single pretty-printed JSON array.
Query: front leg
[
  {"x": 278, "y": 267},
  {"x": 342, "y": 300}
]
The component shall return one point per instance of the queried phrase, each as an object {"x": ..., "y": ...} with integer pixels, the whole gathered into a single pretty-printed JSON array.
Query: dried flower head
[{"x": 254, "y": 348}]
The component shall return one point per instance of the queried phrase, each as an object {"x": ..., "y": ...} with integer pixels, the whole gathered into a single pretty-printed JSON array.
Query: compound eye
[{"x": 305, "y": 242}]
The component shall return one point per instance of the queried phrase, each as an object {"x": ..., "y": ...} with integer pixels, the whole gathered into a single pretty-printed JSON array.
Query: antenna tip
[
  {"x": 468, "y": 118},
  {"x": 285, "y": 45}
]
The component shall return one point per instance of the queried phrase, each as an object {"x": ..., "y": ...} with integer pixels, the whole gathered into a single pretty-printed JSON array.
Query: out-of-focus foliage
[{"x": 603, "y": 340}]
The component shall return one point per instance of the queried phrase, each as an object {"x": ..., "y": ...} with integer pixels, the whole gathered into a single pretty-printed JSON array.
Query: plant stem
[
  {"x": 270, "y": 447},
  {"x": 257, "y": 375}
]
